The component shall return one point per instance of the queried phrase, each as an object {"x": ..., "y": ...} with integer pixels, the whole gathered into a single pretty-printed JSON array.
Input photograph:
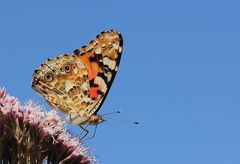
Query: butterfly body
[{"x": 77, "y": 83}]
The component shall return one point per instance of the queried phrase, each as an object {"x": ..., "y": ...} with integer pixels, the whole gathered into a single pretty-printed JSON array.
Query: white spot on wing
[
  {"x": 115, "y": 46},
  {"x": 102, "y": 83},
  {"x": 120, "y": 49},
  {"x": 109, "y": 76},
  {"x": 110, "y": 63},
  {"x": 98, "y": 50}
]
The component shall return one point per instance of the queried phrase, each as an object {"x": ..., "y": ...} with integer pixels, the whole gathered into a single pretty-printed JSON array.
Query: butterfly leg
[
  {"x": 84, "y": 129},
  {"x": 92, "y": 135}
]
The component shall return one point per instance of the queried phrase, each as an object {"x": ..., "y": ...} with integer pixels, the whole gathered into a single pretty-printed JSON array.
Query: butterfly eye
[
  {"x": 67, "y": 68},
  {"x": 48, "y": 77}
]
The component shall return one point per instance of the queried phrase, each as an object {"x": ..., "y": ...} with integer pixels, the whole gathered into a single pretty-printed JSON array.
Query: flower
[{"x": 29, "y": 135}]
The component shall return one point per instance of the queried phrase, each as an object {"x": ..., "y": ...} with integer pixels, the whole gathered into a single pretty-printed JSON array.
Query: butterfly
[{"x": 78, "y": 83}]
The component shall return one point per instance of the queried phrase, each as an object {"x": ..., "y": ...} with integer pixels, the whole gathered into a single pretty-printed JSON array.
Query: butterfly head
[{"x": 95, "y": 119}]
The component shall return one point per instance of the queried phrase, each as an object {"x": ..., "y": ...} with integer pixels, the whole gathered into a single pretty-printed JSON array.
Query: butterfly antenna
[
  {"x": 123, "y": 121},
  {"x": 111, "y": 113}
]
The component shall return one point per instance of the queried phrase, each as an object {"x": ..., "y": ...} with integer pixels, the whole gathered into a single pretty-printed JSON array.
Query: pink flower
[
  {"x": 33, "y": 114},
  {"x": 51, "y": 124},
  {"x": 9, "y": 104},
  {"x": 29, "y": 135}
]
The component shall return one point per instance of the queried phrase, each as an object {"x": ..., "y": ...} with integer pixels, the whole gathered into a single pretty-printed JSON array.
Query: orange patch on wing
[
  {"x": 92, "y": 67},
  {"x": 93, "y": 92},
  {"x": 95, "y": 70}
]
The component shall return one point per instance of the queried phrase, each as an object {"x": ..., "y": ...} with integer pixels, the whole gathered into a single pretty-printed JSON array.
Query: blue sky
[{"x": 179, "y": 73}]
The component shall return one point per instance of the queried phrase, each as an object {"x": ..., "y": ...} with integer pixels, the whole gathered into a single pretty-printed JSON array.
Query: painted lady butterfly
[{"x": 77, "y": 83}]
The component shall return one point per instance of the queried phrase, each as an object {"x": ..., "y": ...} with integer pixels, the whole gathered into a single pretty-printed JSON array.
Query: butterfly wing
[
  {"x": 77, "y": 84},
  {"x": 101, "y": 58}
]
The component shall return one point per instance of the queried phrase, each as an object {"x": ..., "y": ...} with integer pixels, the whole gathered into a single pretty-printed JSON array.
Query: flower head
[{"x": 29, "y": 135}]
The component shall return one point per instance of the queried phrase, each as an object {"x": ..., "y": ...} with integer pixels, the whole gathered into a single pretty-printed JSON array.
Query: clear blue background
[{"x": 179, "y": 73}]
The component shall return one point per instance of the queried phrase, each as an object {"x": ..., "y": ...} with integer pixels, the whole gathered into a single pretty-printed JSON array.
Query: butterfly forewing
[{"x": 102, "y": 57}]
